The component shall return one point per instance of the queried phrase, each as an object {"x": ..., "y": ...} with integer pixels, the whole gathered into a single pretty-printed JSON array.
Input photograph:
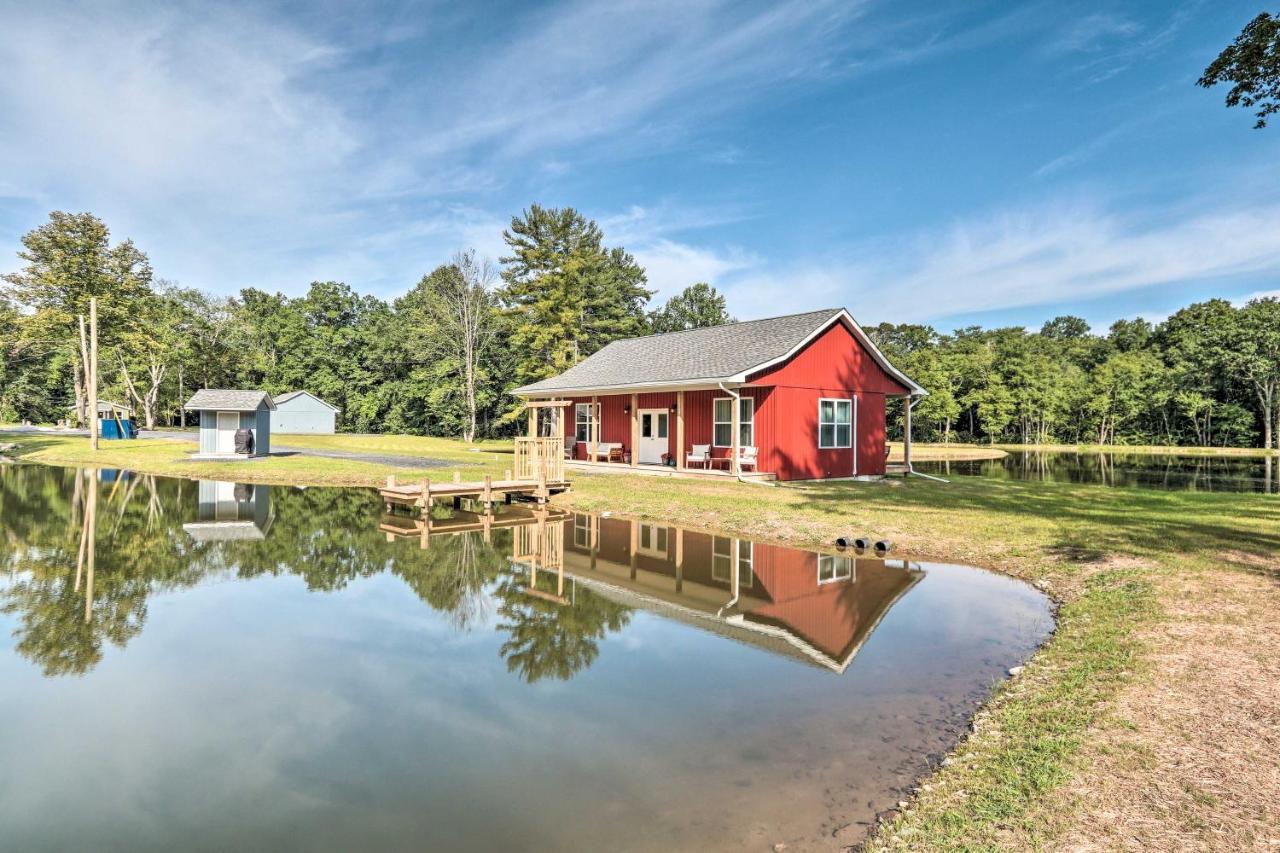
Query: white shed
[{"x": 303, "y": 412}]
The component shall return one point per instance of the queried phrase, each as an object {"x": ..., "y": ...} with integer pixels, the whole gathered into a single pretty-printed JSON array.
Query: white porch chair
[
  {"x": 747, "y": 457},
  {"x": 700, "y": 455}
]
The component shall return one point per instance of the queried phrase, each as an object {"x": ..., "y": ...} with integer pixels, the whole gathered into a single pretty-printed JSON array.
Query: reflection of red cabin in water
[
  {"x": 811, "y": 391},
  {"x": 821, "y": 607}
]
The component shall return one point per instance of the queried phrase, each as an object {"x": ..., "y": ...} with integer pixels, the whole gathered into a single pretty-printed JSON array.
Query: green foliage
[
  {"x": 1252, "y": 64},
  {"x": 566, "y": 293},
  {"x": 1208, "y": 375},
  {"x": 698, "y": 306}
]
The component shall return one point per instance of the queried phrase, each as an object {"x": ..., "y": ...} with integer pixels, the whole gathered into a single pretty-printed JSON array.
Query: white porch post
[
  {"x": 679, "y": 430},
  {"x": 595, "y": 428},
  {"x": 635, "y": 430}
]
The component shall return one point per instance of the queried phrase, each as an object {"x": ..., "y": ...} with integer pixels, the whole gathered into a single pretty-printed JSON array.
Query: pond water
[
  {"x": 212, "y": 666},
  {"x": 1131, "y": 470}
]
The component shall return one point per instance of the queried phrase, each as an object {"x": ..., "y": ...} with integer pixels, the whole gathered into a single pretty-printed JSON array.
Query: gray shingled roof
[
  {"x": 286, "y": 397},
  {"x": 228, "y": 401},
  {"x": 713, "y": 354}
]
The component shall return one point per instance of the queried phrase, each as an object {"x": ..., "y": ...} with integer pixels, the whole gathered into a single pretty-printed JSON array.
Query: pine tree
[{"x": 567, "y": 293}]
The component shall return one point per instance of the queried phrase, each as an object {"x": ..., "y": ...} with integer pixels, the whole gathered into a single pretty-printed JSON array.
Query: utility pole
[{"x": 93, "y": 381}]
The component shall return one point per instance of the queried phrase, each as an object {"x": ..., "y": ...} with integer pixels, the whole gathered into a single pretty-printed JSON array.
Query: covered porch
[
  {"x": 697, "y": 433},
  {"x": 713, "y": 432}
]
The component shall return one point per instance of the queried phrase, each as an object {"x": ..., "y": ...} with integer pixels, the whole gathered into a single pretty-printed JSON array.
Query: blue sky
[{"x": 992, "y": 163}]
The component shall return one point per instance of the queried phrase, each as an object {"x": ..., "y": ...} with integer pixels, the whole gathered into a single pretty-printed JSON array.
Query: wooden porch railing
[{"x": 539, "y": 459}]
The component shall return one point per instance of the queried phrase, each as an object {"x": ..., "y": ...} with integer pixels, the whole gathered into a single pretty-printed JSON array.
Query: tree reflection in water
[{"x": 84, "y": 552}]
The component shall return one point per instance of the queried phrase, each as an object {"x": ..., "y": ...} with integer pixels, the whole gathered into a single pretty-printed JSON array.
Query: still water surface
[
  {"x": 1128, "y": 470},
  {"x": 212, "y": 666}
]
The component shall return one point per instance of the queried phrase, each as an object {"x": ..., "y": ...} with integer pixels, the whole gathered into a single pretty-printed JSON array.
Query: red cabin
[{"x": 809, "y": 389}]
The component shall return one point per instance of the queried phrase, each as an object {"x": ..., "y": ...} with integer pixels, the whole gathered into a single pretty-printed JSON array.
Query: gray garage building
[
  {"x": 223, "y": 413},
  {"x": 303, "y": 412}
]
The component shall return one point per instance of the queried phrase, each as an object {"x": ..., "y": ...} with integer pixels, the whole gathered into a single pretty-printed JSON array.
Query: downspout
[
  {"x": 911, "y": 404},
  {"x": 737, "y": 581},
  {"x": 738, "y": 473}
]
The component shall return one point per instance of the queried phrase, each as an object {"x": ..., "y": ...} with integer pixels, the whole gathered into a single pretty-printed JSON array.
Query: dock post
[
  {"x": 542, "y": 479},
  {"x": 486, "y": 497},
  {"x": 424, "y": 500}
]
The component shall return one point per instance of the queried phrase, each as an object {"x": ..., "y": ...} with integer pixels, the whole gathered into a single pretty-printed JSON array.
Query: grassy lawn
[
  {"x": 173, "y": 457},
  {"x": 1153, "y": 704}
]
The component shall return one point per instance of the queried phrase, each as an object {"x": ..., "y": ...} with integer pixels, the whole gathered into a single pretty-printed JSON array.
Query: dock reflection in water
[{"x": 338, "y": 678}]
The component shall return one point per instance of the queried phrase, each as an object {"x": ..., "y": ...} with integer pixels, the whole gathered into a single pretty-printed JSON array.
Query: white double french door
[{"x": 654, "y": 424}]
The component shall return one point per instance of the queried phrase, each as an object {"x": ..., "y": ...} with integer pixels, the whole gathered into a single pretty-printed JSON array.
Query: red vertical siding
[
  {"x": 834, "y": 365},
  {"x": 834, "y": 359}
]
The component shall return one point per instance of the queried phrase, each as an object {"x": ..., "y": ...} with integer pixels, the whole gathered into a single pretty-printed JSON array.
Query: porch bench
[{"x": 607, "y": 451}]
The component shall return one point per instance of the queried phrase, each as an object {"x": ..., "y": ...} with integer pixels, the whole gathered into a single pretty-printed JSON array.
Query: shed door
[{"x": 228, "y": 423}]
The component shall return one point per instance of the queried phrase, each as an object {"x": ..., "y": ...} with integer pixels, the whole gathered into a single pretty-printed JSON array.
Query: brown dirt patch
[{"x": 1189, "y": 757}]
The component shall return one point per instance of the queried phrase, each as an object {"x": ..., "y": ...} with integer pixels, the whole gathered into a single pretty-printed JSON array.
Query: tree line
[
  {"x": 442, "y": 358},
  {"x": 1208, "y": 375},
  {"x": 439, "y": 360}
]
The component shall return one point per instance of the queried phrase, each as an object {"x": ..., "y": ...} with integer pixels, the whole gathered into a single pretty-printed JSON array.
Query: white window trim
[
  {"x": 590, "y": 421},
  {"x": 853, "y": 422},
  {"x": 831, "y": 559},
  {"x": 715, "y": 423}
]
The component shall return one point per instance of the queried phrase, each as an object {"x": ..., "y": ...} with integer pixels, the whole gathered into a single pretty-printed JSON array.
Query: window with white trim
[
  {"x": 582, "y": 421},
  {"x": 833, "y": 567},
  {"x": 722, "y": 427},
  {"x": 722, "y": 560},
  {"x": 835, "y": 423}
]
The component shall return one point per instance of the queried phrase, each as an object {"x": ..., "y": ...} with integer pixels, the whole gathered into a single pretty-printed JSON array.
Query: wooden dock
[
  {"x": 488, "y": 491},
  {"x": 539, "y": 474}
]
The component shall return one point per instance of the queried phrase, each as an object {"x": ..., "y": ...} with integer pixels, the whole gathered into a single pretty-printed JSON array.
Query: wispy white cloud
[
  {"x": 1091, "y": 33},
  {"x": 1048, "y": 254},
  {"x": 672, "y": 266},
  {"x": 243, "y": 148},
  {"x": 1039, "y": 255}
]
